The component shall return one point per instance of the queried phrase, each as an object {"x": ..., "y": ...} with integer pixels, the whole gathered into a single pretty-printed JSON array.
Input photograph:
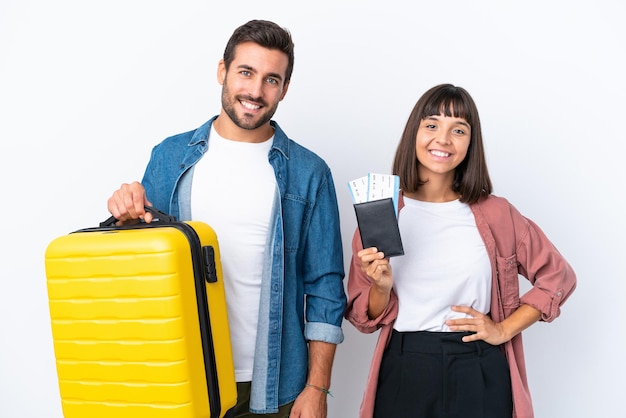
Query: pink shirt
[{"x": 515, "y": 246}]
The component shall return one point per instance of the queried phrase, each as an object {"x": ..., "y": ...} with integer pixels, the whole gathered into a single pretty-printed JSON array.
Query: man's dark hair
[{"x": 266, "y": 34}]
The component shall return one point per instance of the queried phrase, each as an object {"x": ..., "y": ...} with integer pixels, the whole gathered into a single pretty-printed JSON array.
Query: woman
[{"x": 450, "y": 310}]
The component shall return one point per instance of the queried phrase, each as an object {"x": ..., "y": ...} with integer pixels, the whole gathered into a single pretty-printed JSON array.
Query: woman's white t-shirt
[{"x": 445, "y": 263}]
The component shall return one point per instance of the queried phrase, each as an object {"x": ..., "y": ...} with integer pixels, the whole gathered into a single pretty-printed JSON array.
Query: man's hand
[
  {"x": 311, "y": 403},
  {"x": 127, "y": 204}
]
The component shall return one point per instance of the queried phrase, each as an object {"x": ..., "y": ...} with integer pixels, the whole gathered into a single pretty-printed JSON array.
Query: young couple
[{"x": 450, "y": 309}]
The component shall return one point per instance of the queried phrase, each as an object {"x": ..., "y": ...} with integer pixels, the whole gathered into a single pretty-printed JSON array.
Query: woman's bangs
[{"x": 448, "y": 105}]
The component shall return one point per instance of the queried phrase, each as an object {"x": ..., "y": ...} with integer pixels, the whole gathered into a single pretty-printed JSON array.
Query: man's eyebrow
[
  {"x": 252, "y": 69},
  {"x": 276, "y": 75}
]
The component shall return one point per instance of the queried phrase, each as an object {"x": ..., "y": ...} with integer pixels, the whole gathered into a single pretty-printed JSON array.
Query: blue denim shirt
[{"x": 302, "y": 293}]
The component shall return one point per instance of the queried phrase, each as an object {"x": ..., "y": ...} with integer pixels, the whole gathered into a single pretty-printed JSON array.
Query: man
[{"x": 273, "y": 206}]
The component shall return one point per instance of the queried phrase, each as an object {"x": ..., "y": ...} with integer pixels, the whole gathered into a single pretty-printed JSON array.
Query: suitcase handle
[{"x": 157, "y": 216}]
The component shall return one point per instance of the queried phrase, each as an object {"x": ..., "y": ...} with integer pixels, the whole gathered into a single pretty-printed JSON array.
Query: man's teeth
[
  {"x": 250, "y": 106},
  {"x": 440, "y": 153}
]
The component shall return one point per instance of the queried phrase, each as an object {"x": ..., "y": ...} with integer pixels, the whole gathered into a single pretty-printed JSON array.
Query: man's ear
[
  {"x": 221, "y": 72},
  {"x": 285, "y": 88}
]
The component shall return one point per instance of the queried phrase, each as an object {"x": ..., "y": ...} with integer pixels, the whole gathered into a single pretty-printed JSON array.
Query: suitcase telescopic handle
[{"x": 157, "y": 216}]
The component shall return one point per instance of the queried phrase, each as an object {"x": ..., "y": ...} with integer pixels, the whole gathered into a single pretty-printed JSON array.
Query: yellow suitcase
[{"x": 139, "y": 321}]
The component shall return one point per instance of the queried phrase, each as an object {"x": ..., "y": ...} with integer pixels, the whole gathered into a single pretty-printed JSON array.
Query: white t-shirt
[
  {"x": 445, "y": 263},
  {"x": 233, "y": 191}
]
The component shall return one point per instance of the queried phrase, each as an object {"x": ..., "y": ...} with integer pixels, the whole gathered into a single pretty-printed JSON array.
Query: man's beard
[{"x": 246, "y": 121}]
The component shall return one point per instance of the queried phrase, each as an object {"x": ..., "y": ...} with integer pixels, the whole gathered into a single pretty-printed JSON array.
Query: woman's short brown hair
[{"x": 471, "y": 177}]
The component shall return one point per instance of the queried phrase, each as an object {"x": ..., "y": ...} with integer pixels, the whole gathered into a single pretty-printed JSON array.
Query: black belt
[{"x": 427, "y": 342}]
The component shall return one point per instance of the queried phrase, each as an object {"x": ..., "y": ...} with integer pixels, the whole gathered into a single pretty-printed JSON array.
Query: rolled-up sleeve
[
  {"x": 323, "y": 268},
  {"x": 552, "y": 277}
]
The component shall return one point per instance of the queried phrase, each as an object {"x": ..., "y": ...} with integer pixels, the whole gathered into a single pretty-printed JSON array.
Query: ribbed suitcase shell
[{"x": 132, "y": 337}]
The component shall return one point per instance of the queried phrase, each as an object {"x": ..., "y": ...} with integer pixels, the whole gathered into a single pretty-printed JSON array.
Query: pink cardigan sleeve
[
  {"x": 523, "y": 248},
  {"x": 356, "y": 313},
  {"x": 358, "y": 296},
  {"x": 552, "y": 277}
]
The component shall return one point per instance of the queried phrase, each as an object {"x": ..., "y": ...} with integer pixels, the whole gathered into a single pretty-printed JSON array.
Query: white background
[{"x": 87, "y": 88}]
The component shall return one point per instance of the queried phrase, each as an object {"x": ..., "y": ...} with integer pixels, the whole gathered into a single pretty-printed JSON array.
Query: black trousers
[{"x": 436, "y": 375}]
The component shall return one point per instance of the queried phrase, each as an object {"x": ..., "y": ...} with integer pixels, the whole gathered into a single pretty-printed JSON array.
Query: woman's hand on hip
[{"x": 483, "y": 327}]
